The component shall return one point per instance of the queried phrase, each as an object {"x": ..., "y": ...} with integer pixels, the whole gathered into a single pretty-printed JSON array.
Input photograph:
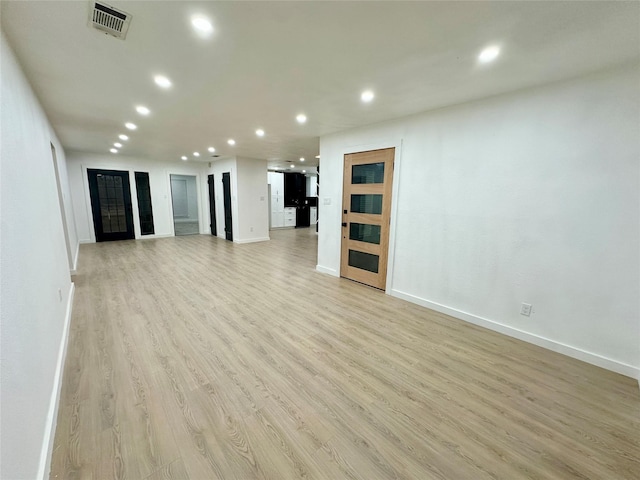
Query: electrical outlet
[
  {"x": 252, "y": 229},
  {"x": 60, "y": 294},
  {"x": 525, "y": 309},
  {"x": 327, "y": 201}
]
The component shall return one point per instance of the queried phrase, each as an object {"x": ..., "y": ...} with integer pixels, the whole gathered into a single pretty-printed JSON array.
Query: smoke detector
[{"x": 109, "y": 20}]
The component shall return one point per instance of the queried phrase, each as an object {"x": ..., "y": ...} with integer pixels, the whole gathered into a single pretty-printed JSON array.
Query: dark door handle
[{"x": 344, "y": 224}]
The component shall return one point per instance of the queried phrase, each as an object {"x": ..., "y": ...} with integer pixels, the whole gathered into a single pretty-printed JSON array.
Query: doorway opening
[
  {"x": 111, "y": 204},
  {"x": 366, "y": 216},
  {"x": 184, "y": 200}
]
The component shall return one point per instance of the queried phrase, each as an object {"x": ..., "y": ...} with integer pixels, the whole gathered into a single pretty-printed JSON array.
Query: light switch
[{"x": 327, "y": 201}]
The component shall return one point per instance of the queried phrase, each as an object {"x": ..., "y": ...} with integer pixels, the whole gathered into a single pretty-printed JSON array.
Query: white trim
[
  {"x": 574, "y": 352},
  {"x": 85, "y": 241},
  {"x": 201, "y": 229},
  {"x": 75, "y": 259},
  {"x": 52, "y": 415},
  {"x": 327, "y": 270},
  {"x": 252, "y": 240}
]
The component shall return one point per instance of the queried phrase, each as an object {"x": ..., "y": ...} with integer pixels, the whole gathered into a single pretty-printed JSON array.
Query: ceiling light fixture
[
  {"x": 489, "y": 54},
  {"x": 291, "y": 166},
  {"x": 142, "y": 110},
  {"x": 130, "y": 126},
  {"x": 162, "y": 81},
  {"x": 367, "y": 96},
  {"x": 302, "y": 159},
  {"x": 231, "y": 141},
  {"x": 117, "y": 144},
  {"x": 301, "y": 118},
  {"x": 183, "y": 157},
  {"x": 304, "y": 171},
  {"x": 123, "y": 137},
  {"x": 211, "y": 149},
  {"x": 202, "y": 25},
  {"x": 260, "y": 132},
  {"x": 114, "y": 150},
  {"x": 196, "y": 154},
  {"x": 317, "y": 156}
]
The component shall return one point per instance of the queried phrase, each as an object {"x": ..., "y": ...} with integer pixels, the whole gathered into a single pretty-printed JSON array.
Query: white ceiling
[{"x": 268, "y": 61}]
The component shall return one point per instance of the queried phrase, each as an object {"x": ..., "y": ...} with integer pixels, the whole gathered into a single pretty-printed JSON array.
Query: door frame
[
  {"x": 224, "y": 208},
  {"x": 397, "y": 160},
  {"x": 128, "y": 204},
  {"x": 211, "y": 191},
  {"x": 169, "y": 196}
]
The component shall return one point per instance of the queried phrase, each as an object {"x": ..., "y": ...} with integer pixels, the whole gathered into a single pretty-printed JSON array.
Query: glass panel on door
[
  {"x": 365, "y": 261},
  {"x": 367, "y": 203},
  {"x": 364, "y": 233},
  {"x": 367, "y": 173}
]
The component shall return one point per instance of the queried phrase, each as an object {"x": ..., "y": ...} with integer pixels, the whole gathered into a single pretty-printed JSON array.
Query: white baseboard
[
  {"x": 327, "y": 270},
  {"x": 252, "y": 240},
  {"x": 160, "y": 235},
  {"x": 52, "y": 415},
  {"x": 589, "y": 357},
  {"x": 85, "y": 240}
]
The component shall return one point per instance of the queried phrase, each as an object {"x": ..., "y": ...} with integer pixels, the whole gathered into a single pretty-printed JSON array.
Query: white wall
[
  {"x": 253, "y": 206},
  {"x": 527, "y": 197},
  {"x": 159, "y": 182},
  {"x": 249, "y": 205},
  {"x": 35, "y": 286}
]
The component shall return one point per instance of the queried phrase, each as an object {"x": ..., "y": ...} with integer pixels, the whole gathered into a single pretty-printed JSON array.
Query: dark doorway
[
  {"x": 144, "y": 203},
  {"x": 212, "y": 206},
  {"x": 111, "y": 204},
  {"x": 226, "y": 187}
]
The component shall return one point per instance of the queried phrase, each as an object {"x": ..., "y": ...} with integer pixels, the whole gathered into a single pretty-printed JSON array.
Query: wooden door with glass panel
[{"x": 366, "y": 214}]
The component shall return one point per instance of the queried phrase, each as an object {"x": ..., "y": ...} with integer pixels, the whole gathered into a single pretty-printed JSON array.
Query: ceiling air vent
[{"x": 110, "y": 20}]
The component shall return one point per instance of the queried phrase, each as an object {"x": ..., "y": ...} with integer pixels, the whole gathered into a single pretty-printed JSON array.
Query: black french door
[
  {"x": 226, "y": 187},
  {"x": 111, "y": 204},
  {"x": 212, "y": 206}
]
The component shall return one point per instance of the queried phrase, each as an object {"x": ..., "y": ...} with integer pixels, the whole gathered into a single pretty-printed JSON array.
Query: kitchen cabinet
[{"x": 289, "y": 216}]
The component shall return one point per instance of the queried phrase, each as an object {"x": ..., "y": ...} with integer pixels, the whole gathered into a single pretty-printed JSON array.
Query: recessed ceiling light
[
  {"x": 130, "y": 126},
  {"x": 301, "y": 118},
  {"x": 183, "y": 157},
  {"x": 317, "y": 156},
  {"x": 489, "y": 54},
  {"x": 114, "y": 150},
  {"x": 367, "y": 96},
  {"x": 231, "y": 141},
  {"x": 162, "y": 81},
  {"x": 211, "y": 149},
  {"x": 142, "y": 110},
  {"x": 304, "y": 171},
  {"x": 123, "y": 137},
  {"x": 291, "y": 166},
  {"x": 117, "y": 144},
  {"x": 260, "y": 132},
  {"x": 202, "y": 25},
  {"x": 302, "y": 159},
  {"x": 196, "y": 154}
]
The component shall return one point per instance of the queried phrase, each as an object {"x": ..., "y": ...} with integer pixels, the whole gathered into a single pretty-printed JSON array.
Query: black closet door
[
  {"x": 212, "y": 206},
  {"x": 111, "y": 204},
  {"x": 226, "y": 187}
]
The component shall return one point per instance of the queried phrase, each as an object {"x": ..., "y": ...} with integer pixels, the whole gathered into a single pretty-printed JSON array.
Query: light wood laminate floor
[{"x": 196, "y": 358}]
